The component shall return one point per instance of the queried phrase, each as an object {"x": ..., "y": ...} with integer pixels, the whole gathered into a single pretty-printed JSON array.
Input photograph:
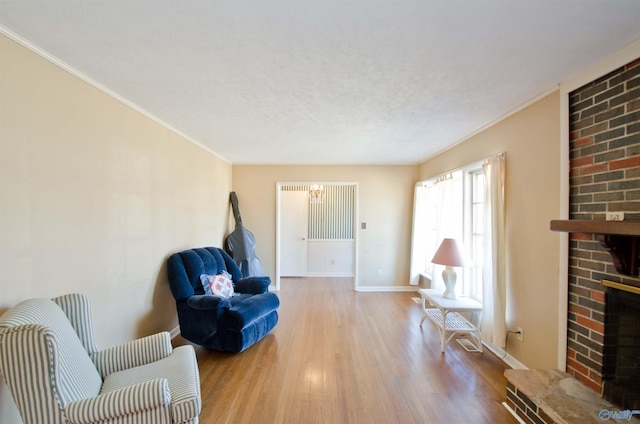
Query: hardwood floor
[{"x": 337, "y": 356}]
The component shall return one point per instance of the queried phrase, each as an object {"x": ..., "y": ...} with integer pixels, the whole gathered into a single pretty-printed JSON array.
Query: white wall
[
  {"x": 385, "y": 202},
  {"x": 330, "y": 258},
  {"x": 94, "y": 197},
  {"x": 531, "y": 140}
]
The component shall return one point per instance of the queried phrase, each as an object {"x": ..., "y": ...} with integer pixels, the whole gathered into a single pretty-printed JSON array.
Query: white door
[{"x": 294, "y": 218}]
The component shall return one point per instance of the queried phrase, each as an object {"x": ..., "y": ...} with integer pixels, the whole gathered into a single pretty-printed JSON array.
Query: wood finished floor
[{"x": 339, "y": 356}]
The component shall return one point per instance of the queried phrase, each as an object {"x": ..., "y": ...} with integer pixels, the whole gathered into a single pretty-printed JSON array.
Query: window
[
  {"x": 475, "y": 234},
  {"x": 468, "y": 204},
  {"x": 452, "y": 206}
]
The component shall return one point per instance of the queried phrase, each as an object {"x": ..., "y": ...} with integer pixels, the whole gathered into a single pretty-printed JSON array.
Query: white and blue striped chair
[{"x": 56, "y": 374}]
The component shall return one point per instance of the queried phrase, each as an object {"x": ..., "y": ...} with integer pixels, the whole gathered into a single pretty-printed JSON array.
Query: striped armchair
[{"x": 56, "y": 374}]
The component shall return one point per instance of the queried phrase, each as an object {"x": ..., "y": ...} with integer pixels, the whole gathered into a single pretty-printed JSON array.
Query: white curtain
[
  {"x": 437, "y": 214},
  {"x": 494, "y": 269},
  {"x": 418, "y": 244},
  {"x": 448, "y": 221}
]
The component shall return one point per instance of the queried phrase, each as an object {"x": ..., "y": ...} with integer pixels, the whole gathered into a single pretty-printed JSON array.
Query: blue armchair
[{"x": 225, "y": 324}]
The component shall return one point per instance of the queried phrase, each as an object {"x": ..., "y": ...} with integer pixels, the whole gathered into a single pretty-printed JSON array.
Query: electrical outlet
[
  {"x": 615, "y": 216},
  {"x": 333, "y": 261},
  {"x": 520, "y": 334},
  {"x": 379, "y": 273}
]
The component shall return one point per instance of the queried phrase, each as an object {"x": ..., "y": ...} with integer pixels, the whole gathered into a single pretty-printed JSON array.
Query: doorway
[
  {"x": 316, "y": 230},
  {"x": 294, "y": 214}
]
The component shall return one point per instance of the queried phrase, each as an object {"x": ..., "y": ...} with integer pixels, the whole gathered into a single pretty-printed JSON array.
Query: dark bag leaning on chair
[{"x": 225, "y": 324}]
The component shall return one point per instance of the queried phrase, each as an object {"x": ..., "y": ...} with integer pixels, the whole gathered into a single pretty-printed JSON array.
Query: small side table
[{"x": 444, "y": 313}]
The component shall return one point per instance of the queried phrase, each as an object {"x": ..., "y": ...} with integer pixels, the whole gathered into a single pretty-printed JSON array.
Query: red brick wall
[{"x": 604, "y": 177}]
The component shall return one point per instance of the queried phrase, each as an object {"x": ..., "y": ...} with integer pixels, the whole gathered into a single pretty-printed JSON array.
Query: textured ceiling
[{"x": 333, "y": 81}]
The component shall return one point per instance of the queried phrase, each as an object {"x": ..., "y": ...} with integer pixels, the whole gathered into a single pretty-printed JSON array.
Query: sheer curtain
[
  {"x": 448, "y": 220},
  {"x": 494, "y": 269},
  {"x": 437, "y": 214},
  {"x": 418, "y": 241}
]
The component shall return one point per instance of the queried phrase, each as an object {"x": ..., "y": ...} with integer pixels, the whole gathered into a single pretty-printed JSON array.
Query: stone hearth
[{"x": 553, "y": 396}]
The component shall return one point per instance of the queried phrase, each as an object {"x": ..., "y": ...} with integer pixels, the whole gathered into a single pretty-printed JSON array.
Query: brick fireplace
[{"x": 604, "y": 177}]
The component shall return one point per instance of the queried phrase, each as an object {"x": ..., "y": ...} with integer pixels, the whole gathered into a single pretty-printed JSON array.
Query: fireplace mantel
[{"x": 619, "y": 238}]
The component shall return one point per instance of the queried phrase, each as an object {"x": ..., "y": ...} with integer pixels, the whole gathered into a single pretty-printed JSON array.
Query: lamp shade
[{"x": 450, "y": 253}]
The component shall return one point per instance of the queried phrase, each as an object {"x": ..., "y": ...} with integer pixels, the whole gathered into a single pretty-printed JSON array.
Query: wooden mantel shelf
[
  {"x": 619, "y": 238},
  {"x": 620, "y": 228}
]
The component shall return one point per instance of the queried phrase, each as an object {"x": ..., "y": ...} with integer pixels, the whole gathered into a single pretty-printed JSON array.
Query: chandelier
[{"x": 316, "y": 193}]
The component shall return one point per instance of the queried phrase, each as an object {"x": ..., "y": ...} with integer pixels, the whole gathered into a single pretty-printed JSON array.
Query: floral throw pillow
[{"x": 217, "y": 285}]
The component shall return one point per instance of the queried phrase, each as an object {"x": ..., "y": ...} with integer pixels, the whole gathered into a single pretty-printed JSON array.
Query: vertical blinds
[{"x": 332, "y": 218}]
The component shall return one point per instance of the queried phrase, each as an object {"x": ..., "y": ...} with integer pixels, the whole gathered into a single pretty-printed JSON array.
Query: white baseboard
[
  {"x": 507, "y": 359},
  {"x": 387, "y": 288}
]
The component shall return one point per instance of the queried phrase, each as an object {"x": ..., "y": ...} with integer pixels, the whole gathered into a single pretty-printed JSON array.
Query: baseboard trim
[
  {"x": 387, "y": 288},
  {"x": 330, "y": 274},
  {"x": 505, "y": 357}
]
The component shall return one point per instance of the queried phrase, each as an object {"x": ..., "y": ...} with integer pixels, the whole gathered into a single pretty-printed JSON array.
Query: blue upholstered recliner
[{"x": 225, "y": 324}]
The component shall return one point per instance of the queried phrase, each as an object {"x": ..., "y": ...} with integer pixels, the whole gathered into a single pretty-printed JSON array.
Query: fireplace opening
[{"x": 621, "y": 362}]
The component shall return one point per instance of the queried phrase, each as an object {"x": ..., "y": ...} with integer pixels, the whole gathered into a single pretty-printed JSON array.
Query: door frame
[{"x": 356, "y": 233}]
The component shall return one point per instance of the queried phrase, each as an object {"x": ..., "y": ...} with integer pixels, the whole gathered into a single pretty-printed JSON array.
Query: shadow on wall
[
  {"x": 163, "y": 315},
  {"x": 425, "y": 282}
]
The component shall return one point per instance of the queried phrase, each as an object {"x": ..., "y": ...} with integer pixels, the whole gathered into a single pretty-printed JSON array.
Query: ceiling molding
[
  {"x": 492, "y": 123},
  {"x": 65, "y": 67}
]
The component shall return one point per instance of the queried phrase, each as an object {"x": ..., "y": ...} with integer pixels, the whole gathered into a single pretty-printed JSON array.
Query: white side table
[{"x": 444, "y": 313}]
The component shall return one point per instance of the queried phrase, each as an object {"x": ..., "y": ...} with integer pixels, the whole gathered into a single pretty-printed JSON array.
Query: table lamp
[{"x": 449, "y": 254}]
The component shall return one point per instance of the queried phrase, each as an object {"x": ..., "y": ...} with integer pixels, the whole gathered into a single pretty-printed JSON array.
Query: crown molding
[{"x": 67, "y": 68}]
